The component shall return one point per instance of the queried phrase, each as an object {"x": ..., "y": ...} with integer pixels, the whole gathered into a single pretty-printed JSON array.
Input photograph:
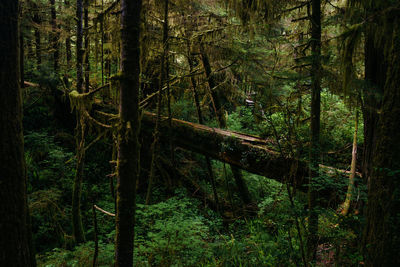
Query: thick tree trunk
[
  {"x": 375, "y": 73},
  {"x": 21, "y": 59},
  {"x": 381, "y": 240},
  {"x": 243, "y": 151},
  {"x": 15, "y": 246},
  {"x": 128, "y": 133},
  {"x": 312, "y": 237}
]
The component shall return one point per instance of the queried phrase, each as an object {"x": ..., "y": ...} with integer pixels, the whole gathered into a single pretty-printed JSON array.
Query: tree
[
  {"x": 381, "y": 110},
  {"x": 54, "y": 35},
  {"x": 37, "y": 21},
  {"x": 15, "y": 243},
  {"x": 163, "y": 79},
  {"x": 128, "y": 132},
  {"x": 312, "y": 238},
  {"x": 350, "y": 187},
  {"x": 220, "y": 116},
  {"x": 68, "y": 39},
  {"x": 80, "y": 135},
  {"x": 87, "y": 45}
]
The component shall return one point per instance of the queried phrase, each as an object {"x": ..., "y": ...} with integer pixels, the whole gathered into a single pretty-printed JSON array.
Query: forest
[{"x": 199, "y": 133}]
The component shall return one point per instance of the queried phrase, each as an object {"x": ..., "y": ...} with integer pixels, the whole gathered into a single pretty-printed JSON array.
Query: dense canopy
[{"x": 199, "y": 133}]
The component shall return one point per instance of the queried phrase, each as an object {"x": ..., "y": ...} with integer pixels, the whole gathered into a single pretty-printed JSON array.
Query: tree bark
[
  {"x": 38, "y": 46},
  {"x": 77, "y": 227},
  {"x": 54, "y": 35},
  {"x": 312, "y": 237},
  {"x": 128, "y": 133},
  {"x": 350, "y": 188},
  {"x": 87, "y": 45},
  {"x": 68, "y": 40},
  {"x": 15, "y": 242},
  {"x": 21, "y": 59},
  {"x": 79, "y": 42},
  {"x": 381, "y": 240},
  {"x": 243, "y": 151}
]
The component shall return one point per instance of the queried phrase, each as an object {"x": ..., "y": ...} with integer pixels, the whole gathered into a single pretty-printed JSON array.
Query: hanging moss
[{"x": 80, "y": 102}]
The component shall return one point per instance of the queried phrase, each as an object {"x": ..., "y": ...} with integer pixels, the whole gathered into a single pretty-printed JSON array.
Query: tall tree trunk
[
  {"x": 54, "y": 35},
  {"x": 200, "y": 118},
  {"x": 68, "y": 40},
  {"x": 212, "y": 83},
  {"x": 77, "y": 227},
  {"x": 312, "y": 237},
  {"x": 381, "y": 240},
  {"x": 15, "y": 245},
  {"x": 79, "y": 42},
  {"x": 87, "y": 44},
  {"x": 350, "y": 187},
  {"x": 38, "y": 46},
  {"x": 102, "y": 42},
  {"x": 128, "y": 133},
  {"x": 220, "y": 114},
  {"x": 163, "y": 77},
  {"x": 375, "y": 75},
  {"x": 21, "y": 58}
]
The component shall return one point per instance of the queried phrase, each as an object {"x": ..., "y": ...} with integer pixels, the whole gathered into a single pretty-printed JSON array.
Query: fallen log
[
  {"x": 244, "y": 151},
  {"x": 247, "y": 152}
]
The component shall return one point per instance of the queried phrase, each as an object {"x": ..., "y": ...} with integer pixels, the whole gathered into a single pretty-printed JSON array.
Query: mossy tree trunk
[
  {"x": 15, "y": 241},
  {"x": 77, "y": 226},
  {"x": 312, "y": 237},
  {"x": 128, "y": 133},
  {"x": 381, "y": 240}
]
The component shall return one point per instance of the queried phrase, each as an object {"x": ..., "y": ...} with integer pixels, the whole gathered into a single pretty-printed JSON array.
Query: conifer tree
[
  {"x": 15, "y": 241},
  {"x": 128, "y": 132}
]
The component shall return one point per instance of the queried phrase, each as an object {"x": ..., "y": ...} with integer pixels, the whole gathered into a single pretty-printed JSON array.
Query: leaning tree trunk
[
  {"x": 312, "y": 237},
  {"x": 220, "y": 114},
  {"x": 350, "y": 187},
  {"x": 77, "y": 227},
  {"x": 15, "y": 245},
  {"x": 200, "y": 118},
  {"x": 128, "y": 132}
]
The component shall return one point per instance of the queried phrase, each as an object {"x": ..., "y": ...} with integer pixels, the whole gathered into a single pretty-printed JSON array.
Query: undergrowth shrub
[{"x": 171, "y": 233}]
